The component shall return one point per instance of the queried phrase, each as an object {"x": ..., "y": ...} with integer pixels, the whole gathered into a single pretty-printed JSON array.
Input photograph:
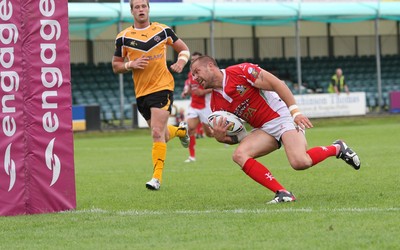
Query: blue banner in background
[{"x": 78, "y": 118}]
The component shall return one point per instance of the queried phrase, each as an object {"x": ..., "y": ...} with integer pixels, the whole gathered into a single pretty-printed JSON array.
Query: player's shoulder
[
  {"x": 243, "y": 72},
  {"x": 241, "y": 69},
  {"x": 125, "y": 31},
  {"x": 159, "y": 25},
  {"x": 241, "y": 66}
]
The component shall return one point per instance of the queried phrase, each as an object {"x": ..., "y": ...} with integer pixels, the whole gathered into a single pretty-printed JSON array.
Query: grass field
[{"x": 212, "y": 204}]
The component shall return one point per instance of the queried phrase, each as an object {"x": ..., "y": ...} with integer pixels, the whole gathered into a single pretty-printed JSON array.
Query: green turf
[{"x": 212, "y": 204}]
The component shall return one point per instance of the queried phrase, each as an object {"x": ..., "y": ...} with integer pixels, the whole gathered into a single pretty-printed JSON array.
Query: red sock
[
  {"x": 319, "y": 154},
  {"x": 192, "y": 145},
  {"x": 262, "y": 175}
]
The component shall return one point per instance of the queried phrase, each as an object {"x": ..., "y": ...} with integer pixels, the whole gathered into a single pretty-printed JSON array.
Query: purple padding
[
  {"x": 42, "y": 146},
  {"x": 12, "y": 146},
  {"x": 395, "y": 101}
]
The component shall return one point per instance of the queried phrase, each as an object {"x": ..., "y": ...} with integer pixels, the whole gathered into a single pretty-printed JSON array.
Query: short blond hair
[
  {"x": 131, "y": 3},
  {"x": 205, "y": 60}
]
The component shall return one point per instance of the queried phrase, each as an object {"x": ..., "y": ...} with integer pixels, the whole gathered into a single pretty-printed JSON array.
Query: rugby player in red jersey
[
  {"x": 198, "y": 110},
  {"x": 268, "y": 105}
]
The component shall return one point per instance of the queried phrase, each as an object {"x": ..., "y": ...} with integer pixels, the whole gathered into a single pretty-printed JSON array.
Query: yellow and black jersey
[{"x": 151, "y": 42}]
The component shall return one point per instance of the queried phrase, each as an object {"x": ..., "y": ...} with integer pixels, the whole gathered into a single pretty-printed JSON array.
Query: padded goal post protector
[
  {"x": 36, "y": 140},
  {"x": 394, "y": 98}
]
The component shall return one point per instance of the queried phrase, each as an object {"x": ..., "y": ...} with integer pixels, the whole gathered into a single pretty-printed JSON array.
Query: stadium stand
[{"x": 97, "y": 84}]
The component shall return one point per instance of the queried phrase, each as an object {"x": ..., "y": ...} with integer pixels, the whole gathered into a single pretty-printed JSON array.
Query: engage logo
[
  {"x": 53, "y": 162},
  {"x": 52, "y": 79},
  {"x": 9, "y": 82}
]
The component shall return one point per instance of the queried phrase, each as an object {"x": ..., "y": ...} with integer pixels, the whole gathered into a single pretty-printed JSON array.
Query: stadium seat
[
  {"x": 386, "y": 99},
  {"x": 128, "y": 114},
  {"x": 107, "y": 116},
  {"x": 371, "y": 100}
]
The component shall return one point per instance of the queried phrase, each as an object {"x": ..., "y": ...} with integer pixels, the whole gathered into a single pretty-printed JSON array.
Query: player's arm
[
  {"x": 268, "y": 81},
  {"x": 120, "y": 66},
  {"x": 118, "y": 59},
  {"x": 201, "y": 92},
  {"x": 183, "y": 55},
  {"x": 186, "y": 89}
]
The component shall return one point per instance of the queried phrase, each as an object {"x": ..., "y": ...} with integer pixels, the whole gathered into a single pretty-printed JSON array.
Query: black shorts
[{"x": 162, "y": 99}]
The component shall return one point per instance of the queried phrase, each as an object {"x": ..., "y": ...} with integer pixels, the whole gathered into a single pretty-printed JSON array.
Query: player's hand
[
  {"x": 139, "y": 63},
  {"x": 178, "y": 66},
  {"x": 302, "y": 121},
  {"x": 219, "y": 129}
]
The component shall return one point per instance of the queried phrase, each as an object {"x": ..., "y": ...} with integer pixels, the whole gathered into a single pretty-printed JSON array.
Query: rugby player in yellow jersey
[{"x": 141, "y": 49}]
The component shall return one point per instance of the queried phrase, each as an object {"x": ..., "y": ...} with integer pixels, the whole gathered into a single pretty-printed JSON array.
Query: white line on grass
[{"x": 235, "y": 211}]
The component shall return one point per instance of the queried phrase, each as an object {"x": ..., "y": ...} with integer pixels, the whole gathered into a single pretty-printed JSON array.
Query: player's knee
[
  {"x": 156, "y": 132},
  {"x": 300, "y": 164},
  {"x": 239, "y": 157},
  {"x": 192, "y": 132}
]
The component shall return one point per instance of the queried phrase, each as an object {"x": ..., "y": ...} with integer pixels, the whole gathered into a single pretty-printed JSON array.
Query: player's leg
[
  {"x": 159, "y": 105},
  {"x": 347, "y": 154},
  {"x": 256, "y": 144},
  {"x": 300, "y": 158},
  {"x": 199, "y": 131},
  {"x": 180, "y": 131},
  {"x": 158, "y": 127},
  {"x": 158, "y": 124},
  {"x": 295, "y": 145},
  {"x": 192, "y": 122},
  {"x": 183, "y": 134},
  {"x": 159, "y": 146}
]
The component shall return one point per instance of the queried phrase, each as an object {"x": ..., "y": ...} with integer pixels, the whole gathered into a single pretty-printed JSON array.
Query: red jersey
[
  {"x": 197, "y": 101},
  {"x": 240, "y": 97}
]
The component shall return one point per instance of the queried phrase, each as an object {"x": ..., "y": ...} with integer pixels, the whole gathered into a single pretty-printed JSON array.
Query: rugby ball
[{"x": 236, "y": 125}]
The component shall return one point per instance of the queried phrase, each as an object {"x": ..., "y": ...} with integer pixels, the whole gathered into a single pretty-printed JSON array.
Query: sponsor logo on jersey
[
  {"x": 252, "y": 71},
  {"x": 241, "y": 89},
  {"x": 133, "y": 44}
]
